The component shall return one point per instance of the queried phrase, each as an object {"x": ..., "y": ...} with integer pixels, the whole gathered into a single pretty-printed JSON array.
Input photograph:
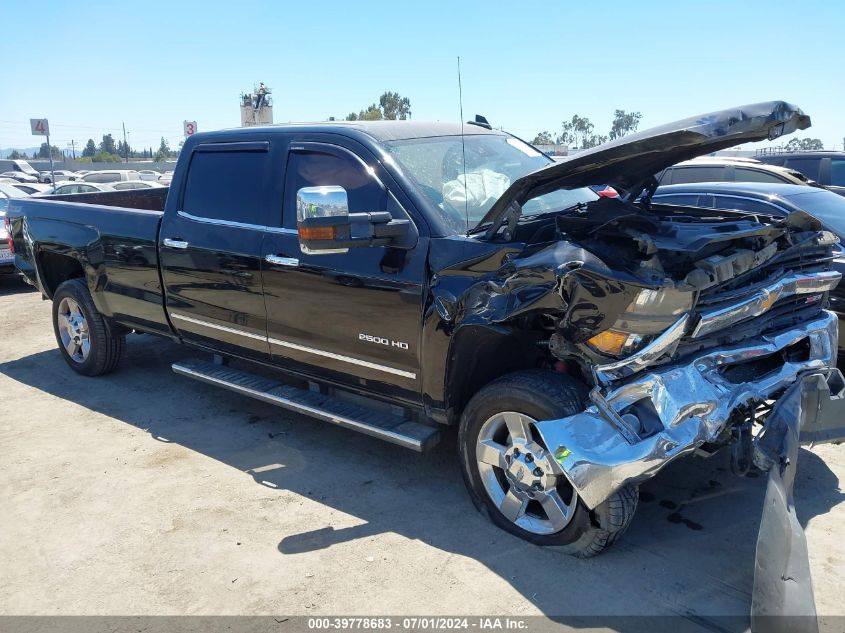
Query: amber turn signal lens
[
  {"x": 609, "y": 341},
  {"x": 316, "y": 232}
]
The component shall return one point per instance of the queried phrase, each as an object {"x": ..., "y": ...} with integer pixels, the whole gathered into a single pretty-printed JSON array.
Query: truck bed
[{"x": 119, "y": 231}]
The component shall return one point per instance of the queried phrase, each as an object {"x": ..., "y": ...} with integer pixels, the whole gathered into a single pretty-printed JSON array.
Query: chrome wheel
[
  {"x": 518, "y": 475},
  {"x": 73, "y": 330}
]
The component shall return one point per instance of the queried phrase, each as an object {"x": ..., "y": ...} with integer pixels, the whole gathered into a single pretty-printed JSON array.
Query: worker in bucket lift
[{"x": 260, "y": 95}]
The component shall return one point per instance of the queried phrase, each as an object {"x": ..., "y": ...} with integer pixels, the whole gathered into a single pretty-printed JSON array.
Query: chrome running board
[{"x": 392, "y": 428}]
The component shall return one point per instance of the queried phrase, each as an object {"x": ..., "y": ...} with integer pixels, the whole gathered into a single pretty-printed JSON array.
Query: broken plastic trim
[{"x": 810, "y": 411}]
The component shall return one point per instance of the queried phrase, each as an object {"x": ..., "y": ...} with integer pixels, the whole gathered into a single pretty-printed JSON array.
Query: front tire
[
  {"x": 506, "y": 467},
  {"x": 87, "y": 342}
]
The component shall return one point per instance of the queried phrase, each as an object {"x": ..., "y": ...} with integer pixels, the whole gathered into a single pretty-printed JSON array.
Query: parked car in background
[
  {"x": 61, "y": 174},
  {"x": 22, "y": 166},
  {"x": 605, "y": 191},
  {"x": 777, "y": 200},
  {"x": 728, "y": 169},
  {"x": 65, "y": 188},
  {"x": 165, "y": 178},
  {"x": 135, "y": 184},
  {"x": 111, "y": 175},
  {"x": 20, "y": 176},
  {"x": 30, "y": 188},
  {"x": 148, "y": 174},
  {"x": 826, "y": 168},
  {"x": 7, "y": 257}
]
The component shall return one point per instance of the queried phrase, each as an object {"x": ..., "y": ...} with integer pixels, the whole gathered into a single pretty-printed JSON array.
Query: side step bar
[{"x": 413, "y": 435}]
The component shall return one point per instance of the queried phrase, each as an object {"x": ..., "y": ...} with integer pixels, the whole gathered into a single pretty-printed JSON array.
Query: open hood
[{"x": 629, "y": 162}]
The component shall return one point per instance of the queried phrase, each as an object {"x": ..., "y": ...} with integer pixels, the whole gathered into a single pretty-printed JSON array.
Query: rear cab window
[{"x": 230, "y": 183}]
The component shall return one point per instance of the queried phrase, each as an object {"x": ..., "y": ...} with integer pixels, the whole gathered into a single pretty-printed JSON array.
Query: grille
[
  {"x": 785, "y": 313},
  {"x": 810, "y": 257}
]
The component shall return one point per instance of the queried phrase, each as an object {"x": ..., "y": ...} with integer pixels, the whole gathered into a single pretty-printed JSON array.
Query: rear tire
[
  {"x": 550, "y": 513},
  {"x": 89, "y": 345}
]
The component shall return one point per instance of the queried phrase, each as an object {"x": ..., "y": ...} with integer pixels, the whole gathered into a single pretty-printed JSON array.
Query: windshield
[
  {"x": 826, "y": 206},
  {"x": 493, "y": 162}
]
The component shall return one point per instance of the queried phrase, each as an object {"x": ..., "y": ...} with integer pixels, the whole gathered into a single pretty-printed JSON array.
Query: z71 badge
[{"x": 368, "y": 338}]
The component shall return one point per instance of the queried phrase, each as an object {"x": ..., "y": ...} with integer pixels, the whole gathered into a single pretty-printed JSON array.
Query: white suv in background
[{"x": 111, "y": 175}]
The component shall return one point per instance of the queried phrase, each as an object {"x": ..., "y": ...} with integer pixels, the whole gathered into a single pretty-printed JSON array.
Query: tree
[
  {"x": 90, "y": 149},
  {"x": 543, "y": 138},
  {"x": 391, "y": 106},
  {"x": 576, "y": 131},
  {"x": 592, "y": 140},
  {"x": 163, "y": 152},
  {"x": 16, "y": 155},
  {"x": 624, "y": 123},
  {"x": 108, "y": 146},
  {"x": 123, "y": 149},
  {"x": 45, "y": 151},
  {"x": 804, "y": 144}
]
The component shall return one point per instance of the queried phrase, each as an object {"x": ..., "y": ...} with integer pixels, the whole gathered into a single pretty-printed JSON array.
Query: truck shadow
[
  {"x": 689, "y": 552},
  {"x": 13, "y": 285}
]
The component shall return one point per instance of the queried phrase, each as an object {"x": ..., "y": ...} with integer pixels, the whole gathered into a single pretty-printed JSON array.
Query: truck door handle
[
  {"x": 279, "y": 260},
  {"x": 175, "y": 243}
]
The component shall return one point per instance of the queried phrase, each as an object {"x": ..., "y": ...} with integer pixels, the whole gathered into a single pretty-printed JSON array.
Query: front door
[
  {"x": 210, "y": 248},
  {"x": 354, "y": 316}
]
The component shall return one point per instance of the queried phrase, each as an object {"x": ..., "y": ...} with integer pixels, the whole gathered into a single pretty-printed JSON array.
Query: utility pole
[
  {"x": 73, "y": 149},
  {"x": 125, "y": 146}
]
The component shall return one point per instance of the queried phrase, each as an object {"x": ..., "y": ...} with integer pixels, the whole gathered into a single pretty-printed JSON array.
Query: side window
[
  {"x": 681, "y": 199},
  {"x": 697, "y": 174},
  {"x": 743, "y": 174},
  {"x": 837, "y": 172},
  {"x": 85, "y": 189},
  {"x": 807, "y": 166},
  {"x": 329, "y": 169},
  {"x": 229, "y": 185},
  {"x": 744, "y": 204}
]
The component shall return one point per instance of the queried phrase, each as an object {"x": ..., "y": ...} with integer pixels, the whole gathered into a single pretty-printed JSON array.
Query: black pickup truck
[{"x": 394, "y": 277}]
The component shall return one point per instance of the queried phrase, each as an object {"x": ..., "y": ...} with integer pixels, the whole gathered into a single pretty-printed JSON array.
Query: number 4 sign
[
  {"x": 190, "y": 127},
  {"x": 40, "y": 127}
]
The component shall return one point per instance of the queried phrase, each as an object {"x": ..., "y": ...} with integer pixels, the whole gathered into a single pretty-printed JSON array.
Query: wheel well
[
  {"x": 56, "y": 269},
  {"x": 479, "y": 355}
]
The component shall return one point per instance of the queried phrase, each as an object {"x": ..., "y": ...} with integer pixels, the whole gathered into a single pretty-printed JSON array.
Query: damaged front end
[
  {"x": 732, "y": 316},
  {"x": 732, "y": 339},
  {"x": 693, "y": 328}
]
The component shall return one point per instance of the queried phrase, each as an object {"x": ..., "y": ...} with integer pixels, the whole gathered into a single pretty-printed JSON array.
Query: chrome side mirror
[
  {"x": 321, "y": 202},
  {"x": 325, "y": 225}
]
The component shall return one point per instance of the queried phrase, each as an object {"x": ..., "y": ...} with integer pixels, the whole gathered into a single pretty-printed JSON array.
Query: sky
[{"x": 91, "y": 66}]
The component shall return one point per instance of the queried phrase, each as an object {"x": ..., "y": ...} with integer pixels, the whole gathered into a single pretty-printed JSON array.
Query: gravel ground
[{"x": 145, "y": 493}]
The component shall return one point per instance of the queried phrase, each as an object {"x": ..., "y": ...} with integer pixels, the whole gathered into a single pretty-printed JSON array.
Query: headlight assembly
[{"x": 646, "y": 317}]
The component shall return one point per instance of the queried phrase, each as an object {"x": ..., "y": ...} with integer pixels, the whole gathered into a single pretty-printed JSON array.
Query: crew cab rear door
[
  {"x": 210, "y": 247},
  {"x": 353, "y": 318}
]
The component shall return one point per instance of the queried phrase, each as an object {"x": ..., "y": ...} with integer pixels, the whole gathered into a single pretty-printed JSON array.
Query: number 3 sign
[{"x": 190, "y": 127}]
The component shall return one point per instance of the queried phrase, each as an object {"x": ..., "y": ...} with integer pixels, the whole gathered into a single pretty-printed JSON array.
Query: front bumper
[{"x": 633, "y": 430}]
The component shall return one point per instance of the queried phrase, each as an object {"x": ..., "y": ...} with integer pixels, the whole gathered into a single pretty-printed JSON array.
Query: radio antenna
[{"x": 463, "y": 144}]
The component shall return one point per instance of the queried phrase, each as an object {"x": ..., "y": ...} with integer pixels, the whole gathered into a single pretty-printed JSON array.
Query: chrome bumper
[{"x": 601, "y": 449}]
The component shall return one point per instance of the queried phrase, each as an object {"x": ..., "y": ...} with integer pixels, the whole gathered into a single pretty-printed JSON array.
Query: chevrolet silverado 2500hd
[{"x": 399, "y": 276}]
